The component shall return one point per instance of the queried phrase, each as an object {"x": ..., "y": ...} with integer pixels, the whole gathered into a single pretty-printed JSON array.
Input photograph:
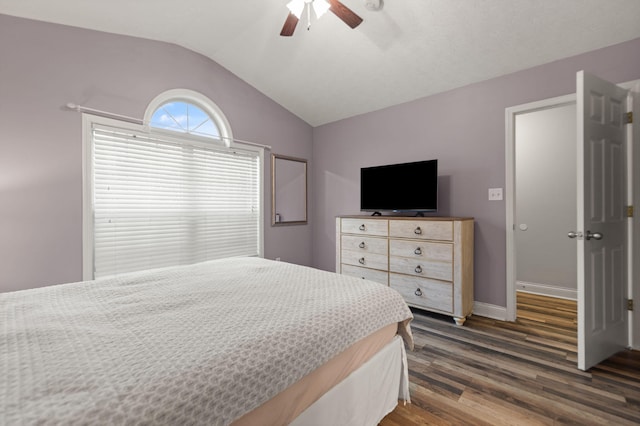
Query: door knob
[
  {"x": 595, "y": 236},
  {"x": 574, "y": 234}
]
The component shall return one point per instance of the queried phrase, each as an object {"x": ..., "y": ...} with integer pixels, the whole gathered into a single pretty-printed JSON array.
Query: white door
[{"x": 602, "y": 222}]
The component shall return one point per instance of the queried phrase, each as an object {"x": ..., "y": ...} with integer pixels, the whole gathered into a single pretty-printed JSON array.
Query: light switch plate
[{"x": 495, "y": 194}]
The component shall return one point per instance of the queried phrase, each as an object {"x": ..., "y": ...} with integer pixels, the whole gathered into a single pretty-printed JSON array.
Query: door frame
[
  {"x": 633, "y": 194},
  {"x": 633, "y": 185}
]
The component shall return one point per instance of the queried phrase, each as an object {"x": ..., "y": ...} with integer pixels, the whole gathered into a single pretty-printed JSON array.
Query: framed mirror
[{"x": 288, "y": 190}]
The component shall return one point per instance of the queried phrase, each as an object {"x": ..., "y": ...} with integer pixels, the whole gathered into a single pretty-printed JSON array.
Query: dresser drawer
[
  {"x": 440, "y": 270},
  {"x": 419, "y": 229},
  {"x": 365, "y": 244},
  {"x": 381, "y": 277},
  {"x": 416, "y": 249},
  {"x": 365, "y": 226},
  {"x": 424, "y": 293},
  {"x": 368, "y": 260}
]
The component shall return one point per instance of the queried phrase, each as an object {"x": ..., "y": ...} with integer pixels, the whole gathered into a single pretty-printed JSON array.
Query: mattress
[
  {"x": 203, "y": 344},
  {"x": 291, "y": 402},
  {"x": 367, "y": 395}
]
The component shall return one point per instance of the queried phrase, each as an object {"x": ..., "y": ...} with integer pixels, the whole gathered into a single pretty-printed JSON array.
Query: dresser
[{"x": 428, "y": 260}]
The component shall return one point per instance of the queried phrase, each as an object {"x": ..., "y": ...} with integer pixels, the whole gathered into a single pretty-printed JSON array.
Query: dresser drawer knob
[
  {"x": 418, "y": 251},
  {"x": 417, "y": 231},
  {"x": 362, "y": 227},
  {"x": 418, "y": 292},
  {"x": 361, "y": 245},
  {"x": 361, "y": 260},
  {"x": 418, "y": 269}
]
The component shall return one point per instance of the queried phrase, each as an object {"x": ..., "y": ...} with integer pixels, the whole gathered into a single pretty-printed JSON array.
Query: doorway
[
  {"x": 510, "y": 188},
  {"x": 545, "y": 201},
  {"x": 537, "y": 257}
]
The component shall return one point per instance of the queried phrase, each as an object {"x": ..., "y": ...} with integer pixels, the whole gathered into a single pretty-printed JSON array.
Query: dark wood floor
[{"x": 524, "y": 373}]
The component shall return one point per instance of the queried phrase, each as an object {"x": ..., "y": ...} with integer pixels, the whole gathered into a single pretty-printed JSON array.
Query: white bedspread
[{"x": 201, "y": 344}]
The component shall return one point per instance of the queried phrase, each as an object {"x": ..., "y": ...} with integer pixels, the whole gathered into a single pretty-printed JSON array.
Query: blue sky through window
[{"x": 184, "y": 117}]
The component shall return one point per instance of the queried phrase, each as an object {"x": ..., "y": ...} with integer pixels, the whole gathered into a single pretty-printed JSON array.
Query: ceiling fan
[{"x": 297, "y": 7}]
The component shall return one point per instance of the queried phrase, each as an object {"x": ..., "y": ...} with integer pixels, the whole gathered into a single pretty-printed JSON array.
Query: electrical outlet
[{"x": 495, "y": 194}]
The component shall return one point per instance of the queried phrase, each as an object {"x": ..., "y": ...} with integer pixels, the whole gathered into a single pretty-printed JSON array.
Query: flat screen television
[{"x": 405, "y": 187}]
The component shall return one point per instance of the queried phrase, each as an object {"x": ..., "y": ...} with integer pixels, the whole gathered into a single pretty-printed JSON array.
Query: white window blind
[{"x": 159, "y": 201}]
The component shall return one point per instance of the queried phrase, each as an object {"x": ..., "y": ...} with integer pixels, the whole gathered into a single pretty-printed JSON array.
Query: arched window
[
  {"x": 186, "y": 111},
  {"x": 184, "y": 117},
  {"x": 169, "y": 192}
]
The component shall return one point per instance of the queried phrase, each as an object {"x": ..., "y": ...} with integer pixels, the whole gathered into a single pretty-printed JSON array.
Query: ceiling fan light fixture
[
  {"x": 320, "y": 7},
  {"x": 296, "y": 7}
]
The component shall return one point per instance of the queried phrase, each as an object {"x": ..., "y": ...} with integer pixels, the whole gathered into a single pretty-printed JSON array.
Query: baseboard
[
  {"x": 490, "y": 311},
  {"x": 547, "y": 290}
]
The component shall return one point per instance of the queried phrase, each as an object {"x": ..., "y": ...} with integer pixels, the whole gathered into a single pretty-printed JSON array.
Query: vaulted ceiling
[{"x": 407, "y": 50}]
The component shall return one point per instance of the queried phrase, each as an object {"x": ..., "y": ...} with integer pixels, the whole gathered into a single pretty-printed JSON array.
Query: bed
[{"x": 241, "y": 341}]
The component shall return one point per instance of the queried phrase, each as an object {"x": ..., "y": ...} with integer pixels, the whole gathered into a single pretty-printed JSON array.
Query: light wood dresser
[{"x": 429, "y": 260}]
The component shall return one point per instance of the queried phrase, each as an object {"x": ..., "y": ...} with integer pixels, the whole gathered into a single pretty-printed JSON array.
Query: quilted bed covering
[{"x": 200, "y": 344}]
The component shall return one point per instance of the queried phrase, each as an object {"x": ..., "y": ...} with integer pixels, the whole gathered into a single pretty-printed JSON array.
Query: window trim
[{"x": 88, "y": 120}]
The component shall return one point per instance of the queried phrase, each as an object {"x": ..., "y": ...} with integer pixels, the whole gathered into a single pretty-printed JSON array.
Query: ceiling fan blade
[
  {"x": 289, "y": 25},
  {"x": 344, "y": 13}
]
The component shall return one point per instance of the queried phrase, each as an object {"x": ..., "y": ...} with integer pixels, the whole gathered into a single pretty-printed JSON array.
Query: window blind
[{"x": 163, "y": 202}]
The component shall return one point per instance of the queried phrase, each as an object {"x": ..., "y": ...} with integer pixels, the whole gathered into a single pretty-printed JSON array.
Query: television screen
[{"x": 400, "y": 187}]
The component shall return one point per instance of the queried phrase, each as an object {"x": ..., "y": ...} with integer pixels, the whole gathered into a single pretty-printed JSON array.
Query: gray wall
[
  {"x": 545, "y": 147},
  {"x": 45, "y": 66},
  {"x": 464, "y": 129}
]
